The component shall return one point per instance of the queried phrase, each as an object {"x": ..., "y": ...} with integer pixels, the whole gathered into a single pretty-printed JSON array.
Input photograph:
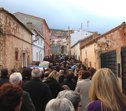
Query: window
[
  {"x": 16, "y": 54},
  {"x": 37, "y": 56}
]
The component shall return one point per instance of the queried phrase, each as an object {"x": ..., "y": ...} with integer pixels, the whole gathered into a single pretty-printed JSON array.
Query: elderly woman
[
  {"x": 73, "y": 96},
  {"x": 59, "y": 105},
  {"x": 105, "y": 92},
  {"x": 16, "y": 80}
]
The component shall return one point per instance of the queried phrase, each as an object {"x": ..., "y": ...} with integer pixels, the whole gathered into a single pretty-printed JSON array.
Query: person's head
[
  {"x": 59, "y": 105},
  {"x": 10, "y": 97},
  {"x": 16, "y": 79},
  {"x": 78, "y": 66},
  {"x": 36, "y": 73},
  {"x": 54, "y": 74},
  {"x": 12, "y": 71},
  {"x": 105, "y": 87},
  {"x": 85, "y": 74},
  {"x": 61, "y": 72},
  {"x": 26, "y": 73},
  {"x": 4, "y": 72},
  {"x": 65, "y": 87},
  {"x": 46, "y": 73},
  {"x": 91, "y": 70},
  {"x": 73, "y": 96},
  {"x": 70, "y": 71},
  {"x": 83, "y": 67}
]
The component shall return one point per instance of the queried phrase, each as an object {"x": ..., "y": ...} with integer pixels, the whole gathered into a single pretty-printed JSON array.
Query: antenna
[
  {"x": 81, "y": 26},
  {"x": 87, "y": 24}
]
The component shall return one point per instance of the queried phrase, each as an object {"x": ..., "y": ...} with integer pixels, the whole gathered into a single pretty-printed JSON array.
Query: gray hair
[
  {"x": 59, "y": 105},
  {"x": 15, "y": 78},
  {"x": 73, "y": 96},
  {"x": 36, "y": 72}
]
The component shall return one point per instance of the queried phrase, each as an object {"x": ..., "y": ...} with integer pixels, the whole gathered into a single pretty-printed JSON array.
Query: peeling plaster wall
[
  {"x": 15, "y": 37},
  {"x": 89, "y": 56},
  {"x": 75, "y": 51}
]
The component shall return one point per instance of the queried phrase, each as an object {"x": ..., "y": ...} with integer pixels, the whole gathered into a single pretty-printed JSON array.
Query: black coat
[
  {"x": 40, "y": 93},
  {"x": 27, "y": 104},
  {"x": 3, "y": 80},
  {"x": 54, "y": 86}
]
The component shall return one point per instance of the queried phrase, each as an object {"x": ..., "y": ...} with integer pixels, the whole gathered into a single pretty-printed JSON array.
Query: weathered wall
[
  {"x": 113, "y": 40},
  {"x": 47, "y": 37},
  {"x": 16, "y": 38},
  {"x": 75, "y": 51},
  {"x": 88, "y": 55},
  {"x": 88, "y": 50},
  {"x": 2, "y": 51}
]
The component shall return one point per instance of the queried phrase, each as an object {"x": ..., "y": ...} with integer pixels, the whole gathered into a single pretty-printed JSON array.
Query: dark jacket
[
  {"x": 54, "y": 86},
  {"x": 3, "y": 80},
  {"x": 27, "y": 104},
  {"x": 39, "y": 93},
  {"x": 69, "y": 81}
]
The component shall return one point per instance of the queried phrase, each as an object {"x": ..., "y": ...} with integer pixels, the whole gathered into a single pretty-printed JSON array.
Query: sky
[{"x": 91, "y": 15}]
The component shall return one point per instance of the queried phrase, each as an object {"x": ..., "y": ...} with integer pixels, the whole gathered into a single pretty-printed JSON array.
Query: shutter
[
  {"x": 108, "y": 60},
  {"x": 123, "y": 54}
]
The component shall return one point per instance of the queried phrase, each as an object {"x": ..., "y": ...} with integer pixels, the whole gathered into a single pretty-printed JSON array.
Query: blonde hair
[
  {"x": 105, "y": 87},
  {"x": 53, "y": 74}
]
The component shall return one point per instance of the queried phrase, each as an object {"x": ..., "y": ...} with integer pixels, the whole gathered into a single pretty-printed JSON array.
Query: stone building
[
  {"x": 38, "y": 44},
  {"x": 47, "y": 38},
  {"x": 59, "y": 41},
  {"x": 75, "y": 50},
  {"x": 108, "y": 50},
  {"x": 76, "y": 37},
  {"x": 15, "y": 42},
  {"x": 41, "y": 26},
  {"x": 87, "y": 50}
]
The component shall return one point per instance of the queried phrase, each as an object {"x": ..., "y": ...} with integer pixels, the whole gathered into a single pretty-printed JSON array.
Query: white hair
[
  {"x": 36, "y": 72},
  {"x": 73, "y": 96},
  {"x": 59, "y": 105},
  {"x": 15, "y": 78}
]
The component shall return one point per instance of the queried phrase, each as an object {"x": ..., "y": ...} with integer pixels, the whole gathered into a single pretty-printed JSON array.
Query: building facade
[
  {"x": 75, "y": 50},
  {"x": 59, "y": 41},
  {"x": 108, "y": 50},
  {"x": 15, "y": 42},
  {"x": 76, "y": 37},
  {"x": 38, "y": 47},
  {"x": 87, "y": 50},
  {"x": 41, "y": 26},
  {"x": 47, "y": 38},
  {"x": 37, "y": 44}
]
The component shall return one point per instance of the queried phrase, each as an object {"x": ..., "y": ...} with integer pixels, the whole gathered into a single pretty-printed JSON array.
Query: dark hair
[
  {"x": 10, "y": 97},
  {"x": 85, "y": 74},
  {"x": 84, "y": 67},
  {"x": 78, "y": 65},
  {"x": 4, "y": 72},
  {"x": 13, "y": 70},
  {"x": 91, "y": 71},
  {"x": 26, "y": 73}
]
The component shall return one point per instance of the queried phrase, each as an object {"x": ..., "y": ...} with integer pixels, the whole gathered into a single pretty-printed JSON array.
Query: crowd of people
[{"x": 67, "y": 85}]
